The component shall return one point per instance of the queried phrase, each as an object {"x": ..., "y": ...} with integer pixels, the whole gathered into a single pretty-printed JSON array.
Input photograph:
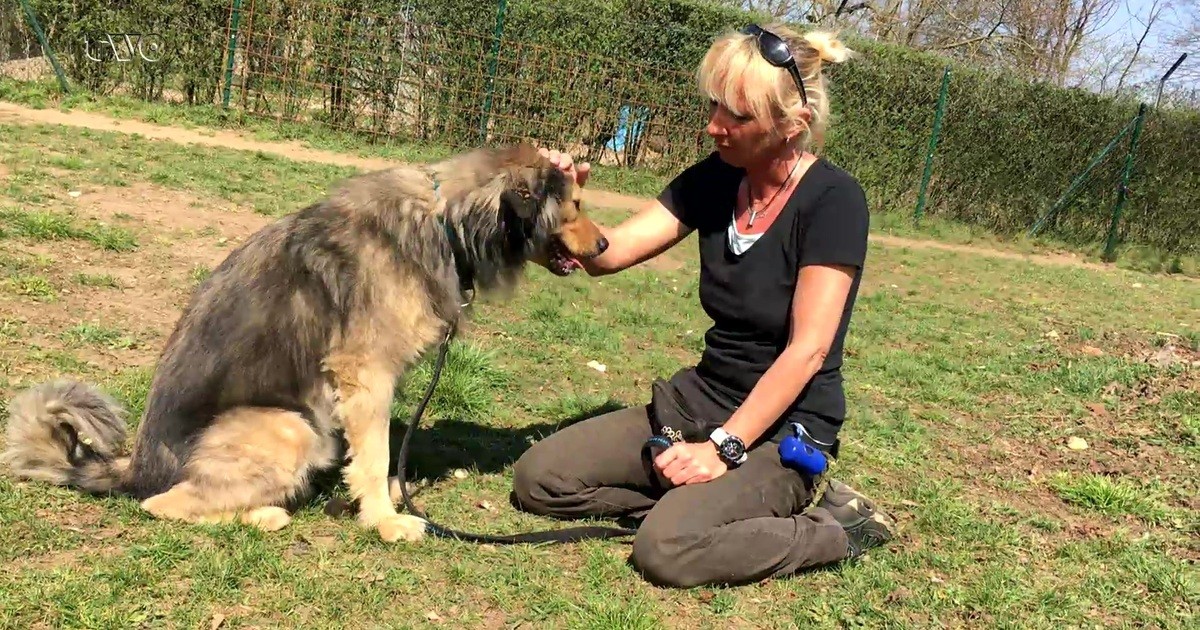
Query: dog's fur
[{"x": 299, "y": 337}]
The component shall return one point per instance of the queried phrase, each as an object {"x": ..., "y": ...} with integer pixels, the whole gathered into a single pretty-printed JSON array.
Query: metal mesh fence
[
  {"x": 397, "y": 77},
  {"x": 17, "y": 42}
]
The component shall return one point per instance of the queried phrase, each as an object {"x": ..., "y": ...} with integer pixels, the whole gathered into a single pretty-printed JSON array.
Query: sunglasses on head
[{"x": 776, "y": 52}]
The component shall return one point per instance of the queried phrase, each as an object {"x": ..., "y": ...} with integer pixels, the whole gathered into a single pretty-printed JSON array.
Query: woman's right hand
[{"x": 567, "y": 164}]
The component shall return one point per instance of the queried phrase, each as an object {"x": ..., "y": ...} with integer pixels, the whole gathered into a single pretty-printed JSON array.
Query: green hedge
[{"x": 566, "y": 71}]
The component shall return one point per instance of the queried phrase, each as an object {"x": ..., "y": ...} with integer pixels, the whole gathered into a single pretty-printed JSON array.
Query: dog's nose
[{"x": 602, "y": 245}]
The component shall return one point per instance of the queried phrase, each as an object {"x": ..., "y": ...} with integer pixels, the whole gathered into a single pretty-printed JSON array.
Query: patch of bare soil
[
  {"x": 84, "y": 519},
  {"x": 15, "y": 114},
  {"x": 178, "y": 236},
  {"x": 1125, "y": 431}
]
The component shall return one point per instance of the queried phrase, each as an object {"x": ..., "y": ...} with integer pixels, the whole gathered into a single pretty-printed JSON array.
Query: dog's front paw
[{"x": 402, "y": 527}]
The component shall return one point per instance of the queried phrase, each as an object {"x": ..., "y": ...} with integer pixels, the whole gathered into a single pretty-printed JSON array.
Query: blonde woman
[{"x": 782, "y": 243}]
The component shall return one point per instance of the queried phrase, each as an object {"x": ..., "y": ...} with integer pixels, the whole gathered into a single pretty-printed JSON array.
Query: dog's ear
[{"x": 521, "y": 201}]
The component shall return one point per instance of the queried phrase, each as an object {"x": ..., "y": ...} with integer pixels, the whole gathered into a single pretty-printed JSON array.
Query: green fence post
[
  {"x": 933, "y": 140},
  {"x": 230, "y": 49},
  {"x": 37, "y": 29},
  {"x": 491, "y": 76},
  {"x": 1069, "y": 196},
  {"x": 1110, "y": 248}
]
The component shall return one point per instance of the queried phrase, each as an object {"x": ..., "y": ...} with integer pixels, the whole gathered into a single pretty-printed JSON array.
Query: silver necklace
[{"x": 749, "y": 196}]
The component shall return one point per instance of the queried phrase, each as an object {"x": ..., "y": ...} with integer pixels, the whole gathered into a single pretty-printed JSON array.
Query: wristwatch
[{"x": 730, "y": 448}]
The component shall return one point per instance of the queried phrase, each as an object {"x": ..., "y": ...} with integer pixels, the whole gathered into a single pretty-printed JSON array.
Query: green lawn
[{"x": 966, "y": 377}]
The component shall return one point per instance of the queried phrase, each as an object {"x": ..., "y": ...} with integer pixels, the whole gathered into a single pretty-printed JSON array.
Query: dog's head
[{"x": 541, "y": 210}]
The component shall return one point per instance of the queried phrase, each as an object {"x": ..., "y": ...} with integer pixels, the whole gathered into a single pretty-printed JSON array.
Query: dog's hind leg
[
  {"x": 364, "y": 395},
  {"x": 246, "y": 467}
]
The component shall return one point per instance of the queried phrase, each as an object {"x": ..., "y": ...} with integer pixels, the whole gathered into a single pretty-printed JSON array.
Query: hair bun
[{"x": 829, "y": 48}]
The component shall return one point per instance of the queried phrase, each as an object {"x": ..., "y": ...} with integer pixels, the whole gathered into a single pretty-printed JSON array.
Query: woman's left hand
[{"x": 687, "y": 463}]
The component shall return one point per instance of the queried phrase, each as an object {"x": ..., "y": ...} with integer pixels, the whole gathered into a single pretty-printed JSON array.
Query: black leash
[{"x": 571, "y": 534}]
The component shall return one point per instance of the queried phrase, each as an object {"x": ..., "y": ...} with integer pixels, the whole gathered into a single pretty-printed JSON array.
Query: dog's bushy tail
[{"x": 67, "y": 433}]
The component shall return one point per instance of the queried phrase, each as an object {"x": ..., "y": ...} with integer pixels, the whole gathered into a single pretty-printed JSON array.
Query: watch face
[{"x": 732, "y": 449}]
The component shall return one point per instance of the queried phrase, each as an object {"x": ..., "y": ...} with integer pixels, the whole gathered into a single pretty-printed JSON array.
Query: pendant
[{"x": 753, "y": 216}]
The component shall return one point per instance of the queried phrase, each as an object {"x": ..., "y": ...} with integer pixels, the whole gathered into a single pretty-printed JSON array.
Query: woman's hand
[
  {"x": 687, "y": 463},
  {"x": 566, "y": 163}
]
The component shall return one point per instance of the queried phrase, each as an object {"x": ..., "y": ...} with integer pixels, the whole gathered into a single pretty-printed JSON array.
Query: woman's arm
[
  {"x": 637, "y": 239},
  {"x": 820, "y": 297}
]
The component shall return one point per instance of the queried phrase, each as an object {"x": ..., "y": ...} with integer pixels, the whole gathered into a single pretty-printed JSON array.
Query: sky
[
  {"x": 1124, "y": 23},
  {"x": 1127, "y": 23}
]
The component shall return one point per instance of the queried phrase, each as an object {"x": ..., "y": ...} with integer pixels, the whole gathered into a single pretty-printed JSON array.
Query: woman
[{"x": 782, "y": 240}]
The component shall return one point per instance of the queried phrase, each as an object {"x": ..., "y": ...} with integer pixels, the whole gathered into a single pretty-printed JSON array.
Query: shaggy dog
[{"x": 298, "y": 339}]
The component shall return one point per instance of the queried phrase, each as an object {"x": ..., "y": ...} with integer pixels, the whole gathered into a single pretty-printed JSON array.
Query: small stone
[
  {"x": 596, "y": 365},
  {"x": 75, "y": 194},
  {"x": 1053, "y": 334},
  {"x": 1077, "y": 443},
  {"x": 1137, "y": 285},
  {"x": 460, "y": 473}
]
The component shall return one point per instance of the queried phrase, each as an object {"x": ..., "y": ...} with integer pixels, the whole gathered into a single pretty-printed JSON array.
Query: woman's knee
[
  {"x": 533, "y": 488},
  {"x": 667, "y": 558}
]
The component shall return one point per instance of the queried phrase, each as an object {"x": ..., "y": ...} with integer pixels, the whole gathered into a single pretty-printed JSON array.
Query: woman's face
[{"x": 741, "y": 140}]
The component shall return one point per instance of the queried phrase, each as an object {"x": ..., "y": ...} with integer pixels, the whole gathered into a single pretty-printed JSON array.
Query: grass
[{"x": 965, "y": 377}]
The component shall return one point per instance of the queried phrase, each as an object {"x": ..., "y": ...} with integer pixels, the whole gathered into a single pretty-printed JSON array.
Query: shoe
[{"x": 865, "y": 525}]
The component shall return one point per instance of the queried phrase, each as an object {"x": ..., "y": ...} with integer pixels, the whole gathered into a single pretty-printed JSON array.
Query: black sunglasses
[{"x": 776, "y": 52}]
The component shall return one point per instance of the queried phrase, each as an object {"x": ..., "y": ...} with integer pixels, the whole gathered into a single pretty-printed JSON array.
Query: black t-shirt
[{"x": 749, "y": 297}]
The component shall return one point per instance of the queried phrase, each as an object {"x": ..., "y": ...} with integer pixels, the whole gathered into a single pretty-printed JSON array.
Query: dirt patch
[
  {"x": 179, "y": 237},
  {"x": 168, "y": 210},
  {"x": 16, "y": 114},
  {"x": 211, "y": 226},
  {"x": 1059, "y": 260}
]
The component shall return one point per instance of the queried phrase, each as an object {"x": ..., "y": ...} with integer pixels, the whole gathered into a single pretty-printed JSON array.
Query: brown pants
[{"x": 742, "y": 527}]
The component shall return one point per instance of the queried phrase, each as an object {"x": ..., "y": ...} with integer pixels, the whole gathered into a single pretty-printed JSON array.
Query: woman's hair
[{"x": 736, "y": 75}]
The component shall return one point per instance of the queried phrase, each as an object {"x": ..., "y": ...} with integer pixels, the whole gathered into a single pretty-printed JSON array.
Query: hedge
[{"x": 574, "y": 72}]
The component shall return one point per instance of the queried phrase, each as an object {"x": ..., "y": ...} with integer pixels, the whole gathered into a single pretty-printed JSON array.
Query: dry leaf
[
  {"x": 1053, "y": 334},
  {"x": 486, "y": 505},
  {"x": 1097, "y": 409},
  {"x": 1092, "y": 351},
  {"x": 432, "y": 616},
  {"x": 216, "y": 622},
  {"x": 599, "y": 367}
]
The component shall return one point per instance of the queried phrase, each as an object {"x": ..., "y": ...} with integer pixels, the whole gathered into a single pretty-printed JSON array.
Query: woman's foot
[{"x": 866, "y": 526}]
